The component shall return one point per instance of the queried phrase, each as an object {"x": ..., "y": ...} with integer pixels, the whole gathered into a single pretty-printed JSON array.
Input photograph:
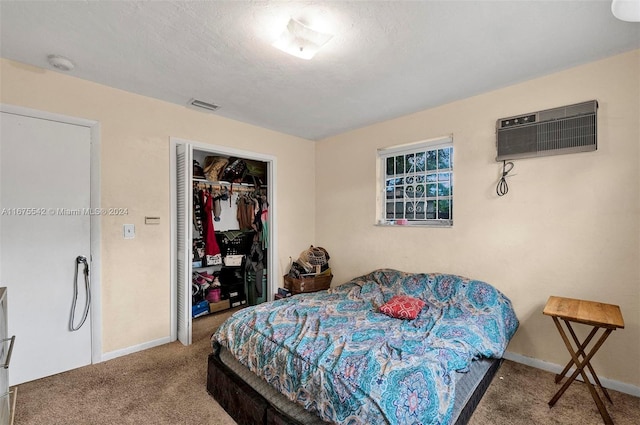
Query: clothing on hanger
[
  {"x": 197, "y": 210},
  {"x": 264, "y": 215},
  {"x": 255, "y": 265},
  {"x": 211, "y": 246},
  {"x": 245, "y": 212},
  {"x": 217, "y": 210}
]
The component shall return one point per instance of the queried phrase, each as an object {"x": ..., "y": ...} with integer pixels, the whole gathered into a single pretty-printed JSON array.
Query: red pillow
[{"x": 403, "y": 307}]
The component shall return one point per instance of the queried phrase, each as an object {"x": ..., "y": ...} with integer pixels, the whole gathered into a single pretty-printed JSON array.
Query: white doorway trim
[
  {"x": 272, "y": 253},
  {"x": 95, "y": 270}
]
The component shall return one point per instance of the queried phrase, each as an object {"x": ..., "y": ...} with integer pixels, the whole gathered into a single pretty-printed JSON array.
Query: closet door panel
[{"x": 183, "y": 234}]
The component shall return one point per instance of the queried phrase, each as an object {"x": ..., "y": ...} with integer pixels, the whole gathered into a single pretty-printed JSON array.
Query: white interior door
[{"x": 44, "y": 226}]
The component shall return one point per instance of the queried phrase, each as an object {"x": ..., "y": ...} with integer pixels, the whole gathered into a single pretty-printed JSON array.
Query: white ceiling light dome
[
  {"x": 301, "y": 41},
  {"x": 626, "y": 10}
]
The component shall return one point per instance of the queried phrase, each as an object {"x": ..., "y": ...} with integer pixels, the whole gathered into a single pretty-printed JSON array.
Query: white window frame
[{"x": 416, "y": 188}]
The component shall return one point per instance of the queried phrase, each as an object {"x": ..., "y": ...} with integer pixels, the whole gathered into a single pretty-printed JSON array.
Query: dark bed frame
[
  {"x": 244, "y": 404},
  {"x": 247, "y": 407}
]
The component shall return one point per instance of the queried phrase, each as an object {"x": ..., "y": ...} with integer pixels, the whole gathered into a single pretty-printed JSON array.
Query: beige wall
[
  {"x": 569, "y": 226},
  {"x": 135, "y": 132}
]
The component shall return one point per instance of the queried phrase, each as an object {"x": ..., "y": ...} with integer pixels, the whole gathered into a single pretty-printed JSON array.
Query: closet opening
[{"x": 223, "y": 231}]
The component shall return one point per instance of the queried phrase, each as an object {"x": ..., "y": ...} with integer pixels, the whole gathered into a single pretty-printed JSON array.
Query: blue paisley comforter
[{"x": 336, "y": 355}]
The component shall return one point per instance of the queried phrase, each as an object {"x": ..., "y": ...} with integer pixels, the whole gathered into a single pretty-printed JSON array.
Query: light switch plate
[{"x": 129, "y": 231}]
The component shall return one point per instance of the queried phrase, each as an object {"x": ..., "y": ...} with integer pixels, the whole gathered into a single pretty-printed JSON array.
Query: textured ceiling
[{"x": 386, "y": 59}]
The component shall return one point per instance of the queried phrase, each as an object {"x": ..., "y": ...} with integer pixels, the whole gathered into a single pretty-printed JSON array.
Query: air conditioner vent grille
[
  {"x": 567, "y": 133},
  {"x": 567, "y": 129},
  {"x": 203, "y": 105}
]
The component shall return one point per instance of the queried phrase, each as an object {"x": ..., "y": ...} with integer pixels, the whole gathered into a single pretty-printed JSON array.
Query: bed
[{"x": 332, "y": 356}]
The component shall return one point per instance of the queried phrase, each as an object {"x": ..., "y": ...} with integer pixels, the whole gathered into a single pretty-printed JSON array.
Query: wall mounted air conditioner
[{"x": 556, "y": 131}]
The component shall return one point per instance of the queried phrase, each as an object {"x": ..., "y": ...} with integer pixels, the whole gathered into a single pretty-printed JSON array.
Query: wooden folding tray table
[{"x": 598, "y": 315}]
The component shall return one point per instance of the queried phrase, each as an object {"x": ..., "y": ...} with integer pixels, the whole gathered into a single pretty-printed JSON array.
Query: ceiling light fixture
[
  {"x": 626, "y": 10},
  {"x": 60, "y": 62},
  {"x": 301, "y": 41}
]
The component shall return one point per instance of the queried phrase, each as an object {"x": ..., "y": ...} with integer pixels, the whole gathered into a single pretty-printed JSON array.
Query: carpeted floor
[
  {"x": 167, "y": 385},
  {"x": 519, "y": 395}
]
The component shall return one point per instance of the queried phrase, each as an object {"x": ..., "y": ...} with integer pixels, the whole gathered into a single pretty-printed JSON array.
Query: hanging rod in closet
[
  {"x": 224, "y": 183},
  {"x": 237, "y": 187}
]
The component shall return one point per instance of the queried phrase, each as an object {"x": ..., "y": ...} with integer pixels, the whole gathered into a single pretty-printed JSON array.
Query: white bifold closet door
[
  {"x": 45, "y": 193},
  {"x": 184, "y": 202}
]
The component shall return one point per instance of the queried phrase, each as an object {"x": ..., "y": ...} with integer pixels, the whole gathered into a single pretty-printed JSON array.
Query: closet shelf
[{"x": 224, "y": 183}]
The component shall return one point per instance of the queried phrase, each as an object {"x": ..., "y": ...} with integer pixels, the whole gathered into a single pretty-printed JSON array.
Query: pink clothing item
[{"x": 210, "y": 243}]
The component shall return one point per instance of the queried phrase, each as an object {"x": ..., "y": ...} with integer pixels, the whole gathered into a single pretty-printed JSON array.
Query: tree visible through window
[{"x": 418, "y": 183}]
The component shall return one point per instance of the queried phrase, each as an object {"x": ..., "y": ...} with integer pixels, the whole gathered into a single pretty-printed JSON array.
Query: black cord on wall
[{"x": 502, "y": 188}]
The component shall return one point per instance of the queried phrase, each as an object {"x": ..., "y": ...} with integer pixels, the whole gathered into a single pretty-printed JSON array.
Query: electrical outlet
[{"x": 129, "y": 231}]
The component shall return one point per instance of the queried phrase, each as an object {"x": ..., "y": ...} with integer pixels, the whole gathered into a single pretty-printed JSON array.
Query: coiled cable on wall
[{"x": 502, "y": 188}]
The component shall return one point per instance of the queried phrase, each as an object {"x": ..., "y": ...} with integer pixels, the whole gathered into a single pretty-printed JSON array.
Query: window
[{"x": 417, "y": 183}]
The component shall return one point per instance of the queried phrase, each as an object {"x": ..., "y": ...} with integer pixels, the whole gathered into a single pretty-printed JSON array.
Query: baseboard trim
[
  {"x": 135, "y": 348},
  {"x": 556, "y": 368}
]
